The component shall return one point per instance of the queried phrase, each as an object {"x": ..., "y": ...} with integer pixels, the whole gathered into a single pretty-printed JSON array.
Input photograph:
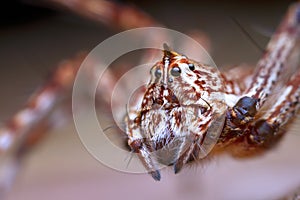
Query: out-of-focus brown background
[{"x": 33, "y": 40}]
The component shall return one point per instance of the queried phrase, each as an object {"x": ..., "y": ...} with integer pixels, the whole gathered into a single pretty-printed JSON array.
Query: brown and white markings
[
  {"x": 187, "y": 102},
  {"x": 190, "y": 146}
]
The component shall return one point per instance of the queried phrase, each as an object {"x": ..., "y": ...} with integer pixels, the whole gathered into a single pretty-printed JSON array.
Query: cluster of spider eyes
[{"x": 175, "y": 71}]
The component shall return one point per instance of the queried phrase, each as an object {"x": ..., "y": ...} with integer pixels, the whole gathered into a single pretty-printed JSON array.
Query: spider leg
[
  {"x": 265, "y": 131},
  {"x": 185, "y": 153},
  {"x": 193, "y": 147},
  {"x": 29, "y": 125},
  {"x": 144, "y": 152},
  {"x": 269, "y": 68},
  {"x": 191, "y": 150},
  {"x": 145, "y": 155},
  {"x": 110, "y": 13},
  {"x": 48, "y": 107},
  {"x": 41, "y": 104}
]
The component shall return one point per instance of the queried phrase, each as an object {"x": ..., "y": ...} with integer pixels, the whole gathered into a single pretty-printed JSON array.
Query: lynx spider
[{"x": 180, "y": 86}]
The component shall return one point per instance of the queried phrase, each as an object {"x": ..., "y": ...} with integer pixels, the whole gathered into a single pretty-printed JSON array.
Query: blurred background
[{"x": 34, "y": 39}]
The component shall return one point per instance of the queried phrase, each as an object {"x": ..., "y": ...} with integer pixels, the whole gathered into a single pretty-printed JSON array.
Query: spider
[
  {"x": 182, "y": 106},
  {"x": 237, "y": 121}
]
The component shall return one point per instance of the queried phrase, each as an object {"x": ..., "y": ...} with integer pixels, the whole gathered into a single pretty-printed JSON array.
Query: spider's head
[{"x": 181, "y": 113}]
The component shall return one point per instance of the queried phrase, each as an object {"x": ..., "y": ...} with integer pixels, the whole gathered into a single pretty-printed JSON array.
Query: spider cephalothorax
[{"x": 177, "y": 116}]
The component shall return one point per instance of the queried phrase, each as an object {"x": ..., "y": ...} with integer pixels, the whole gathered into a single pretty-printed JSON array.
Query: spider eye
[
  {"x": 191, "y": 66},
  {"x": 203, "y": 110},
  {"x": 157, "y": 73},
  {"x": 175, "y": 71}
]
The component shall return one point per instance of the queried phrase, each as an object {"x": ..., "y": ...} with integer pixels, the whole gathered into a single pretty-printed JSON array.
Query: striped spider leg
[
  {"x": 245, "y": 123},
  {"x": 187, "y": 104},
  {"x": 38, "y": 115},
  {"x": 115, "y": 15}
]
